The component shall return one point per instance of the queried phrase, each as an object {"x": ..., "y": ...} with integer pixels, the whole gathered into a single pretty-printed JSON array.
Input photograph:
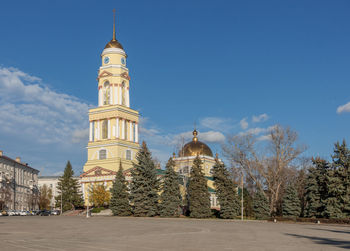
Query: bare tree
[
  {"x": 45, "y": 197},
  {"x": 5, "y": 194},
  {"x": 268, "y": 166}
]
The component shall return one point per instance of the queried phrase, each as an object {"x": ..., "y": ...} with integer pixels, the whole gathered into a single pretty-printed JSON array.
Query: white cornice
[
  {"x": 113, "y": 51},
  {"x": 114, "y": 66},
  {"x": 114, "y": 144},
  {"x": 114, "y": 109}
]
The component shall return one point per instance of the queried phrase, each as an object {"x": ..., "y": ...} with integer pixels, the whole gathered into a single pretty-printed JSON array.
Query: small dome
[
  {"x": 114, "y": 44},
  {"x": 195, "y": 147}
]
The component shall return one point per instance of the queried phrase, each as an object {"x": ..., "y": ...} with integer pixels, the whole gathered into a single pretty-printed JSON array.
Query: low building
[
  {"x": 51, "y": 182},
  {"x": 18, "y": 184}
]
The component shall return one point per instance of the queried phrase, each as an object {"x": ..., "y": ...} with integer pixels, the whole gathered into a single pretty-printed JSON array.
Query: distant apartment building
[
  {"x": 18, "y": 184},
  {"x": 52, "y": 182}
]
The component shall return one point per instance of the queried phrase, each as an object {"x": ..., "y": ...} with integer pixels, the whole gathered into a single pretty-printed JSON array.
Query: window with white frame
[
  {"x": 128, "y": 154},
  {"x": 106, "y": 93},
  {"x": 103, "y": 154}
]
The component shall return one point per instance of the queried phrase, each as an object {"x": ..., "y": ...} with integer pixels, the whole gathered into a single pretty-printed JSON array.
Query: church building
[
  {"x": 184, "y": 162},
  {"x": 113, "y": 135}
]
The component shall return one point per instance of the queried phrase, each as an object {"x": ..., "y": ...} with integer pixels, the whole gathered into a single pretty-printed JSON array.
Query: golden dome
[
  {"x": 195, "y": 147},
  {"x": 114, "y": 44}
]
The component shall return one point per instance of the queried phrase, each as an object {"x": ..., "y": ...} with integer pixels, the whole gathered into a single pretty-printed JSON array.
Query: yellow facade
[{"x": 113, "y": 133}]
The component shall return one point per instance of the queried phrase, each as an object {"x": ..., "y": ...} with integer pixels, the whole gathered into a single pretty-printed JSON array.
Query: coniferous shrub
[{"x": 119, "y": 203}]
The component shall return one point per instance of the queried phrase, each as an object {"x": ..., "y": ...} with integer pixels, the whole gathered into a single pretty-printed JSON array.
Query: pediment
[
  {"x": 125, "y": 75},
  {"x": 104, "y": 74},
  {"x": 98, "y": 171}
]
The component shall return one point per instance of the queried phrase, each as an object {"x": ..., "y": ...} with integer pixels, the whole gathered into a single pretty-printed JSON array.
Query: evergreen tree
[
  {"x": 119, "y": 203},
  {"x": 261, "y": 206},
  {"x": 333, "y": 202},
  {"x": 312, "y": 195},
  {"x": 170, "y": 197},
  {"x": 198, "y": 194},
  {"x": 226, "y": 191},
  {"x": 300, "y": 185},
  {"x": 68, "y": 186},
  {"x": 316, "y": 188},
  {"x": 336, "y": 178},
  {"x": 247, "y": 203},
  {"x": 291, "y": 203},
  {"x": 144, "y": 185},
  {"x": 341, "y": 167}
]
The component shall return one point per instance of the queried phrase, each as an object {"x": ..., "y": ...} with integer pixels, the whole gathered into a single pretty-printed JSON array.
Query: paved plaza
[{"x": 113, "y": 233}]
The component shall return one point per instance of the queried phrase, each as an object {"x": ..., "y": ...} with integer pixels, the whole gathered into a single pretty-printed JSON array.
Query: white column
[
  {"x": 117, "y": 128},
  {"x": 120, "y": 94},
  {"x": 98, "y": 130},
  {"x": 83, "y": 187},
  {"x": 100, "y": 102},
  {"x": 136, "y": 133},
  {"x": 123, "y": 129},
  {"x": 90, "y": 134},
  {"x": 109, "y": 129},
  {"x": 127, "y": 97},
  {"x": 111, "y": 96},
  {"x": 115, "y": 95},
  {"x": 130, "y": 131}
]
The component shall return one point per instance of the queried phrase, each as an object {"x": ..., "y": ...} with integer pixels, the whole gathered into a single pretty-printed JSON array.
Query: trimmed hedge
[{"x": 97, "y": 209}]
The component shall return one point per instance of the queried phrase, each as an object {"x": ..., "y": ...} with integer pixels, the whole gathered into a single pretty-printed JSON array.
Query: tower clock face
[
  {"x": 123, "y": 60},
  {"x": 106, "y": 60}
]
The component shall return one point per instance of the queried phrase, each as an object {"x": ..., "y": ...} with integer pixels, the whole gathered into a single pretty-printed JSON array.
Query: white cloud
[
  {"x": 260, "y": 118},
  {"x": 32, "y": 108},
  {"x": 343, "y": 108},
  {"x": 264, "y": 137},
  {"x": 42, "y": 125},
  {"x": 212, "y": 137},
  {"x": 80, "y": 135},
  {"x": 216, "y": 123},
  {"x": 263, "y": 132},
  {"x": 244, "y": 123}
]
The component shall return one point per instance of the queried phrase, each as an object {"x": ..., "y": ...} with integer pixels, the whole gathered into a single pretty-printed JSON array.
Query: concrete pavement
[{"x": 114, "y": 233}]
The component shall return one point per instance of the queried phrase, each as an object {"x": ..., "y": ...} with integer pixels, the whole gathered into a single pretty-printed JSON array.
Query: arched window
[
  {"x": 128, "y": 154},
  {"x": 104, "y": 129},
  {"x": 103, "y": 154},
  {"x": 106, "y": 93},
  {"x": 123, "y": 93}
]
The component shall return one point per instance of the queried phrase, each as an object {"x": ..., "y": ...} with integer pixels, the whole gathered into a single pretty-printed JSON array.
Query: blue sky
[{"x": 231, "y": 66}]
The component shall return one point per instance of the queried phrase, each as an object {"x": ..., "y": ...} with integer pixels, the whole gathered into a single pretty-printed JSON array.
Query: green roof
[{"x": 211, "y": 190}]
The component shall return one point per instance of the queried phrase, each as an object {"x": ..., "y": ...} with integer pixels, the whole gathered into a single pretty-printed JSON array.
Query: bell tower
[{"x": 113, "y": 135}]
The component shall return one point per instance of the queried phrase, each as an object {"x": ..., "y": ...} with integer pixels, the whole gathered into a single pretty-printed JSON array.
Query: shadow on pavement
[
  {"x": 326, "y": 241},
  {"x": 333, "y": 231}
]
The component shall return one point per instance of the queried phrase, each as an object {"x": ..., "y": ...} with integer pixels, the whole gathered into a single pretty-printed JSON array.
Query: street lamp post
[
  {"x": 88, "y": 202},
  {"x": 242, "y": 202},
  {"x": 61, "y": 200}
]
